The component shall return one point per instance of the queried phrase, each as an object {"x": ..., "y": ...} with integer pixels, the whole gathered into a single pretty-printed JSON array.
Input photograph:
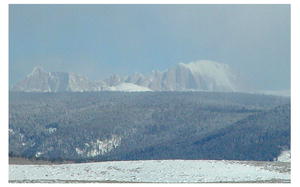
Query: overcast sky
[{"x": 100, "y": 40}]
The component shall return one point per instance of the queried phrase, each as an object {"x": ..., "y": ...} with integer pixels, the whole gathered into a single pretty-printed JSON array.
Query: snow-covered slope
[
  {"x": 189, "y": 171},
  {"x": 285, "y": 156},
  {"x": 128, "y": 87}
]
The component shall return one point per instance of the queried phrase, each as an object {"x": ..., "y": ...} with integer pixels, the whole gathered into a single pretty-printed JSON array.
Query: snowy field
[{"x": 158, "y": 171}]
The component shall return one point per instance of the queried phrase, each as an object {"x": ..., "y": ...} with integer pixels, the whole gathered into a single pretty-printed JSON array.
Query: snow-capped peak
[
  {"x": 37, "y": 70},
  {"x": 203, "y": 75}
]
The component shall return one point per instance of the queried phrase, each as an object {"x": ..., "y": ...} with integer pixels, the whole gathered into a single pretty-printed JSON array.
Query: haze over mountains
[{"x": 195, "y": 76}]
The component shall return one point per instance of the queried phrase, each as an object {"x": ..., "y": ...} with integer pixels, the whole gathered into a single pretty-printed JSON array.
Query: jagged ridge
[{"x": 195, "y": 76}]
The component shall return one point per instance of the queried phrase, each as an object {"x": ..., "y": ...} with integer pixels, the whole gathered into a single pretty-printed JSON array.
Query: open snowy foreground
[{"x": 173, "y": 171}]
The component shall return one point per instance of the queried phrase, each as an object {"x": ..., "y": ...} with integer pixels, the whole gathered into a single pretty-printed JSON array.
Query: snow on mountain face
[
  {"x": 36, "y": 81},
  {"x": 210, "y": 76},
  {"x": 41, "y": 81},
  {"x": 81, "y": 84},
  {"x": 195, "y": 76},
  {"x": 215, "y": 75}
]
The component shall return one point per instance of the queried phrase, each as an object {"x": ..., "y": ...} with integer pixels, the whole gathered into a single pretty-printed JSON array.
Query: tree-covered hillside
[{"x": 148, "y": 125}]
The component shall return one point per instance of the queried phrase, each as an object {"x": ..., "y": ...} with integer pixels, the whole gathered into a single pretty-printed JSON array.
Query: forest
[{"x": 98, "y": 126}]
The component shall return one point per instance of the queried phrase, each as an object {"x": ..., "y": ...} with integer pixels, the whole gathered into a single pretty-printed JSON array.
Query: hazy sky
[{"x": 100, "y": 40}]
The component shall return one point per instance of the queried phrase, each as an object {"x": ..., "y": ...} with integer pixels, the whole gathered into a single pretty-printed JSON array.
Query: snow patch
[
  {"x": 285, "y": 156},
  {"x": 99, "y": 147},
  {"x": 38, "y": 154},
  {"x": 79, "y": 151},
  {"x": 128, "y": 87},
  {"x": 51, "y": 130},
  {"x": 11, "y": 131}
]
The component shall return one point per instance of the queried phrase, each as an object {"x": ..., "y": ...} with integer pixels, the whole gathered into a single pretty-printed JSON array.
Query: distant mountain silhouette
[{"x": 195, "y": 76}]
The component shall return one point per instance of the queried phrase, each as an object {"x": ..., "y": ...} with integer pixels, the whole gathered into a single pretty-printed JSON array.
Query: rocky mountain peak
[
  {"x": 37, "y": 70},
  {"x": 203, "y": 75}
]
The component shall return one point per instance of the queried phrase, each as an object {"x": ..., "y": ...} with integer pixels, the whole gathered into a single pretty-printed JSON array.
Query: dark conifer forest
[{"x": 98, "y": 126}]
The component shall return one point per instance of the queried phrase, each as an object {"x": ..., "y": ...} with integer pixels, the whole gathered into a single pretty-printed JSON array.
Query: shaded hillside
[
  {"x": 261, "y": 136},
  {"x": 149, "y": 125}
]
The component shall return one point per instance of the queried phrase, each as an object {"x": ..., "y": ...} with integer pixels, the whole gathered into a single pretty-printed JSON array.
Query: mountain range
[{"x": 201, "y": 75}]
